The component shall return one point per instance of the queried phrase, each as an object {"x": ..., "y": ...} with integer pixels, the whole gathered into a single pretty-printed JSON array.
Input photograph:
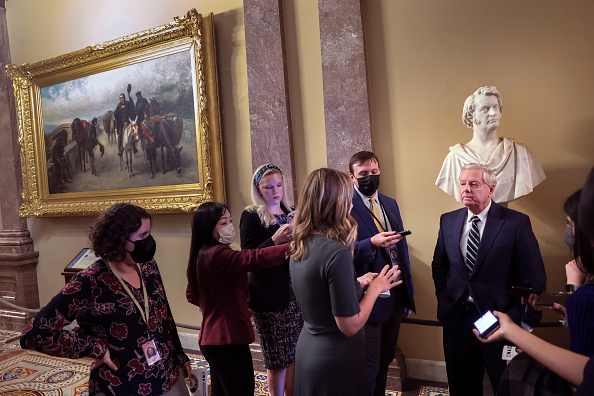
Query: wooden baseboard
[{"x": 189, "y": 341}]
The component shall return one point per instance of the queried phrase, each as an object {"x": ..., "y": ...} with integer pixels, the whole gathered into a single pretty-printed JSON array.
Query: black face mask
[
  {"x": 144, "y": 249},
  {"x": 368, "y": 184},
  {"x": 569, "y": 237}
]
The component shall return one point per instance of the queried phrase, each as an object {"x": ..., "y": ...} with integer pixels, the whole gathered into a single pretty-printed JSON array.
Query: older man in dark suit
[
  {"x": 378, "y": 244},
  {"x": 482, "y": 250}
]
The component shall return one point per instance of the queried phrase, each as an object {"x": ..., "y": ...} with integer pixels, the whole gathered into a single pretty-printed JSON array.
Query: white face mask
[{"x": 227, "y": 234}]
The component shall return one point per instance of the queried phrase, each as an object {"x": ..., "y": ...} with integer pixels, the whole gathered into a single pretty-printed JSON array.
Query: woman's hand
[
  {"x": 575, "y": 276},
  {"x": 505, "y": 326},
  {"x": 106, "y": 359},
  {"x": 555, "y": 307},
  {"x": 560, "y": 309},
  {"x": 366, "y": 279},
  {"x": 188, "y": 369},
  {"x": 532, "y": 301},
  {"x": 385, "y": 279},
  {"x": 283, "y": 235}
]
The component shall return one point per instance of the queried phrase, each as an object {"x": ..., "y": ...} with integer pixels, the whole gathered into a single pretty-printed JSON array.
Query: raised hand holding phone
[{"x": 486, "y": 324}]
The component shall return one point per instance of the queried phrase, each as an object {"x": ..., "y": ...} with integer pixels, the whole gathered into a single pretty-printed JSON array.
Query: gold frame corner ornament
[{"x": 191, "y": 32}]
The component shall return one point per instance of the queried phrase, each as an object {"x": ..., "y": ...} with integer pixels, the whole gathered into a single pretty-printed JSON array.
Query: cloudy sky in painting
[{"x": 167, "y": 79}]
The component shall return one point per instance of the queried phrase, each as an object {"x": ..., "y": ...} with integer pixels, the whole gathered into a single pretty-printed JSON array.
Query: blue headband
[{"x": 262, "y": 170}]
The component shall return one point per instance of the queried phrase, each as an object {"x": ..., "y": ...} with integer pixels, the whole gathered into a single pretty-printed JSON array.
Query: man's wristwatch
[{"x": 570, "y": 288}]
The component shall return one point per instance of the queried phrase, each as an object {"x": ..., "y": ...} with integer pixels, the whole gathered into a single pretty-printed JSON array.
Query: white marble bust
[{"x": 517, "y": 170}]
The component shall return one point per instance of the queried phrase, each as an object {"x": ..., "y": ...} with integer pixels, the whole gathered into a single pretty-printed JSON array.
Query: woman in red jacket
[{"x": 217, "y": 283}]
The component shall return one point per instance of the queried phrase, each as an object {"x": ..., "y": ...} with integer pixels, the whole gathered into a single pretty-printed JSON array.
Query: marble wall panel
[
  {"x": 344, "y": 71},
  {"x": 270, "y": 114}
]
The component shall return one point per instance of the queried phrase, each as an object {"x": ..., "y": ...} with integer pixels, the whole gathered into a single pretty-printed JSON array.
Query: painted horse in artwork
[
  {"x": 168, "y": 137},
  {"x": 109, "y": 126},
  {"x": 129, "y": 137},
  {"x": 155, "y": 107}
]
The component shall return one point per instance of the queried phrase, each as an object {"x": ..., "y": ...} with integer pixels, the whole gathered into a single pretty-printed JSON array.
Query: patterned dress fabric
[
  {"x": 279, "y": 331},
  {"x": 109, "y": 319},
  {"x": 275, "y": 311}
]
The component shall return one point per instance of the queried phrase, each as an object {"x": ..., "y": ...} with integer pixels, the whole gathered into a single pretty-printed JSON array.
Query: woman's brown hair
[
  {"x": 325, "y": 208},
  {"x": 112, "y": 228}
]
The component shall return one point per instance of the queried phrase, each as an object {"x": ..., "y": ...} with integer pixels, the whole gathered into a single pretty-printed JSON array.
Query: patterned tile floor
[
  {"x": 30, "y": 373},
  {"x": 261, "y": 386},
  {"x": 6, "y": 335},
  {"x": 45, "y": 375},
  {"x": 9, "y": 341},
  {"x": 433, "y": 391}
]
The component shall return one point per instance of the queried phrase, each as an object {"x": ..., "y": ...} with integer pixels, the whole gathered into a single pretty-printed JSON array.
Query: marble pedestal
[{"x": 18, "y": 278}]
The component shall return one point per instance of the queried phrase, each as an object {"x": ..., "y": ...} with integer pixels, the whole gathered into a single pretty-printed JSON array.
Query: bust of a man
[{"x": 516, "y": 169}]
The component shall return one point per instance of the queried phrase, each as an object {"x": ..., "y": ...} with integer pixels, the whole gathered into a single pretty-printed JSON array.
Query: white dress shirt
[{"x": 468, "y": 226}]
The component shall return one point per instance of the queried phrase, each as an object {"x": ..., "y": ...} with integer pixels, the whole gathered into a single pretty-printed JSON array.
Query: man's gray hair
[
  {"x": 488, "y": 174},
  {"x": 470, "y": 107}
]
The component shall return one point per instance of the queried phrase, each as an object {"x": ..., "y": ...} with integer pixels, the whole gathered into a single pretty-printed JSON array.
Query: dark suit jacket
[
  {"x": 223, "y": 296},
  {"x": 370, "y": 259},
  {"x": 508, "y": 256},
  {"x": 269, "y": 288}
]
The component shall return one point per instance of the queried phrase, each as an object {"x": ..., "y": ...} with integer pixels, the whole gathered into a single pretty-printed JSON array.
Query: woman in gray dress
[{"x": 330, "y": 355}]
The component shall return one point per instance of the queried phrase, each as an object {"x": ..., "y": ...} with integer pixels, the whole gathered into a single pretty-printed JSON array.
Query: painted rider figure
[
  {"x": 123, "y": 113},
  {"x": 91, "y": 143},
  {"x": 59, "y": 161},
  {"x": 141, "y": 106},
  {"x": 79, "y": 134}
]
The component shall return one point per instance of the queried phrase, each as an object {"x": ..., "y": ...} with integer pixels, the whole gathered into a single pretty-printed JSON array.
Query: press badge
[
  {"x": 150, "y": 352},
  {"x": 509, "y": 352}
]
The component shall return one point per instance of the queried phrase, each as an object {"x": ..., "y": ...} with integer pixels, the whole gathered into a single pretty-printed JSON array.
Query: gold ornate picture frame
[{"x": 171, "y": 162}]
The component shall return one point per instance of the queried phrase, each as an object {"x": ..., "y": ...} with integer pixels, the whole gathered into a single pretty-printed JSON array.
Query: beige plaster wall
[
  {"x": 424, "y": 57},
  {"x": 41, "y": 30}
]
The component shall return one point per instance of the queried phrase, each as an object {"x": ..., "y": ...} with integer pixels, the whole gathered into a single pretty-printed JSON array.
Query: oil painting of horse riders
[
  {"x": 134, "y": 119},
  {"x": 130, "y": 127}
]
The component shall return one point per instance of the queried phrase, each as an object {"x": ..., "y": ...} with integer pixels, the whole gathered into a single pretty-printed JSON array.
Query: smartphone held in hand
[
  {"x": 486, "y": 324},
  {"x": 518, "y": 291},
  {"x": 290, "y": 217},
  {"x": 549, "y": 298}
]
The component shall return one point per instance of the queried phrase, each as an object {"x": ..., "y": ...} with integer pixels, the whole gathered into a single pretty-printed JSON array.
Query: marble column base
[{"x": 18, "y": 278}]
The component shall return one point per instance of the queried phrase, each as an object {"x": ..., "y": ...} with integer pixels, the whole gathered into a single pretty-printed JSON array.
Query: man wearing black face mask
[{"x": 379, "y": 244}]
